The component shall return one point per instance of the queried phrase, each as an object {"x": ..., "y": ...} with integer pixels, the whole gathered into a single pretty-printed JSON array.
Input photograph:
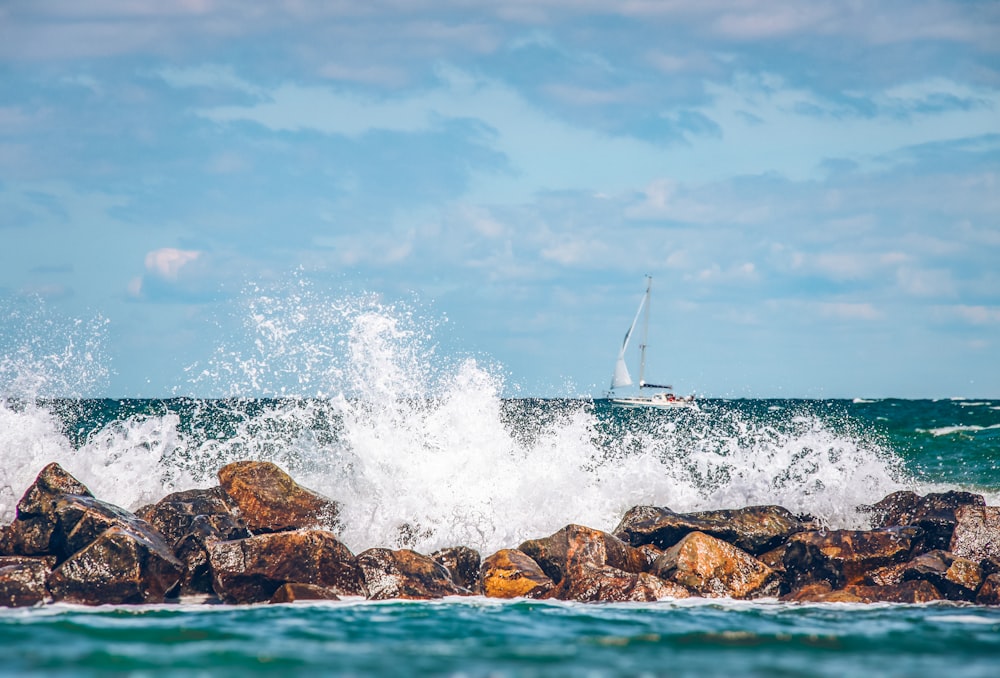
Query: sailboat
[{"x": 664, "y": 398}]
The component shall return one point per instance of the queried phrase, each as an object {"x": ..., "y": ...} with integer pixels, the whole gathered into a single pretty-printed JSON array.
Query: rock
[
  {"x": 510, "y": 573},
  {"x": 575, "y": 547},
  {"x": 173, "y": 515},
  {"x": 906, "y": 592},
  {"x": 251, "y": 570},
  {"x": 610, "y": 585},
  {"x": 189, "y": 521},
  {"x": 989, "y": 592},
  {"x": 715, "y": 568},
  {"x": 31, "y": 532},
  {"x": 121, "y": 566},
  {"x": 22, "y": 580},
  {"x": 6, "y": 545},
  {"x": 934, "y": 513},
  {"x": 291, "y": 593},
  {"x": 886, "y": 576},
  {"x": 820, "y": 592},
  {"x": 405, "y": 574},
  {"x": 270, "y": 501},
  {"x": 977, "y": 532},
  {"x": 463, "y": 564},
  {"x": 955, "y": 577},
  {"x": 844, "y": 557},
  {"x": 755, "y": 529}
]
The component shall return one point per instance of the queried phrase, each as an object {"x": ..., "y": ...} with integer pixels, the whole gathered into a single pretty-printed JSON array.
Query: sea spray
[{"x": 423, "y": 450}]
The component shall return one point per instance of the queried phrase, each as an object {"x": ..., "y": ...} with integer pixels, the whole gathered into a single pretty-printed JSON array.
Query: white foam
[{"x": 422, "y": 451}]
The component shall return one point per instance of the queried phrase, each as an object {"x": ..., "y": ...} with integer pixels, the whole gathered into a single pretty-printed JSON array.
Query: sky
[{"x": 814, "y": 187}]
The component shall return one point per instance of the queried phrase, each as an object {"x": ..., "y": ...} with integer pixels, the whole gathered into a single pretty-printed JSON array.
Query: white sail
[{"x": 622, "y": 377}]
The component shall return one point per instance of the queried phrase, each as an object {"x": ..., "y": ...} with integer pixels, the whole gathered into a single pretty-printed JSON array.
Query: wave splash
[{"x": 422, "y": 450}]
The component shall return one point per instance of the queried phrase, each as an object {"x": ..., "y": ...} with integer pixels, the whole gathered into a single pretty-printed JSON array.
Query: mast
[{"x": 645, "y": 333}]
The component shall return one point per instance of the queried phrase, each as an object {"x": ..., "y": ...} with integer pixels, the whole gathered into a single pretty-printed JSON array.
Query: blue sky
[{"x": 815, "y": 187}]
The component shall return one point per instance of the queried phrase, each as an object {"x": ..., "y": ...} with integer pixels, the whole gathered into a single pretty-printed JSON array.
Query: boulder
[
  {"x": 715, "y": 568},
  {"x": 977, "y": 532},
  {"x": 22, "y": 580},
  {"x": 510, "y": 573},
  {"x": 886, "y": 576},
  {"x": 270, "y": 501},
  {"x": 610, "y": 585},
  {"x": 934, "y": 513},
  {"x": 755, "y": 529},
  {"x": 189, "y": 521},
  {"x": 463, "y": 564},
  {"x": 251, "y": 570},
  {"x": 905, "y": 592},
  {"x": 31, "y": 532},
  {"x": 989, "y": 592},
  {"x": 844, "y": 557},
  {"x": 291, "y": 593},
  {"x": 120, "y": 566},
  {"x": 405, "y": 574},
  {"x": 576, "y": 547},
  {"x": 955, "y": 577}
]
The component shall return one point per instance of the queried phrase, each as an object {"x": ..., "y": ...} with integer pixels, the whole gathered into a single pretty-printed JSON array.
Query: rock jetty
[{"x": 260, "y": 537}]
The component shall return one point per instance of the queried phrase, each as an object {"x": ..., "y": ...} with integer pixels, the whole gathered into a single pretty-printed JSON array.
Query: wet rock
[
  {"x": 610, "y": 585},
  {"x": 31, "y": 532},
  {"x": 715, "y": 568},
  {"x": 120, "y": 566},
  {"x": 251, "y": 570},
  {"x": 955, "y": 577},
  {"x": 977, "y": 532},
  {"x": 510, "y": 573},
  {"x": 905, "y": 592},
  {"x": 22, "y": 580},
  {"x": 886, "y": 576},
  {"x": 755, "y": 529},
  {"x": 844, "y": 557},
  {"x": 463, "y": 564},
  {"x": 291, "y": 593},
  {"x": 989, "y": 592},
  {"x": 191, "y": 520},
  {"x": 270, "y": 501},
  {"x": 575, "y": 547},
  {"x": 405, "y": 574},
  {"x": 934, "y": 513}
]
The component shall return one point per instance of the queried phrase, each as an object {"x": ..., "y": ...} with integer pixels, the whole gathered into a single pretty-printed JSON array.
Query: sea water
[{"x": 424, "y": 453}]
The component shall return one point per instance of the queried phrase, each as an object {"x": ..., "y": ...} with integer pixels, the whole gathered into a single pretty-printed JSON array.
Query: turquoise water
[
  {"x": 488, "y": 473},
  {"x": 482, "y": 638}
]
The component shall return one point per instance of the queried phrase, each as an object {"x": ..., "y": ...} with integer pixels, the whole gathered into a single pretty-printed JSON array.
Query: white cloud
[
  {"x": 850, "y": 310},
  {"x": 167, "y": 262}
]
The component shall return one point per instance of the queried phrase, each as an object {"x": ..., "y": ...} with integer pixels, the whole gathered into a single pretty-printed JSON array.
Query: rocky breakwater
[{"x": 258, "y": 536}]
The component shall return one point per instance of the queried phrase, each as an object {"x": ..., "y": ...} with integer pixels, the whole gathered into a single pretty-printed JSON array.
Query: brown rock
[
  {"x": 510, "y": 573},
  {"x": 122, "y": 565},
  {"x": 405, "y": 574},
  {"x": 955, "y": 577},
  {"x": 977, "y": 532},
  {"x": 463, "y": 564},
  {"x": 251, "y": 570},
  {"x": 886, "y": 576},
  {"x": 576, "y": 547},
  {"x": 844, "y": 557},
  {"x": 906, "y": 592},
  {"x": 755, "y": 529},
  {"x": 989, "y": 592},
  {"x": 934, "y": 513},
  {"x": 290, "y": 593},
  {"x": 270, "y": 501},
  {"x": 610, "y": 585},
  {"x": 22, "y": 580},
  {"x": 715, "y": 568},
  {"x": 31, "y": 533},
  {"x": 189, "y": 521}
]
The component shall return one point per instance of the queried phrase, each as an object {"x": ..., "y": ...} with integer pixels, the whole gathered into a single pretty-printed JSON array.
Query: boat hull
[{"x": 658, "y": 402}]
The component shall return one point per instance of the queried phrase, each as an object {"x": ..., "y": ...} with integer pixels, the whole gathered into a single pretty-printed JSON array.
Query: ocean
[{"x": 425, "y": 453}]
